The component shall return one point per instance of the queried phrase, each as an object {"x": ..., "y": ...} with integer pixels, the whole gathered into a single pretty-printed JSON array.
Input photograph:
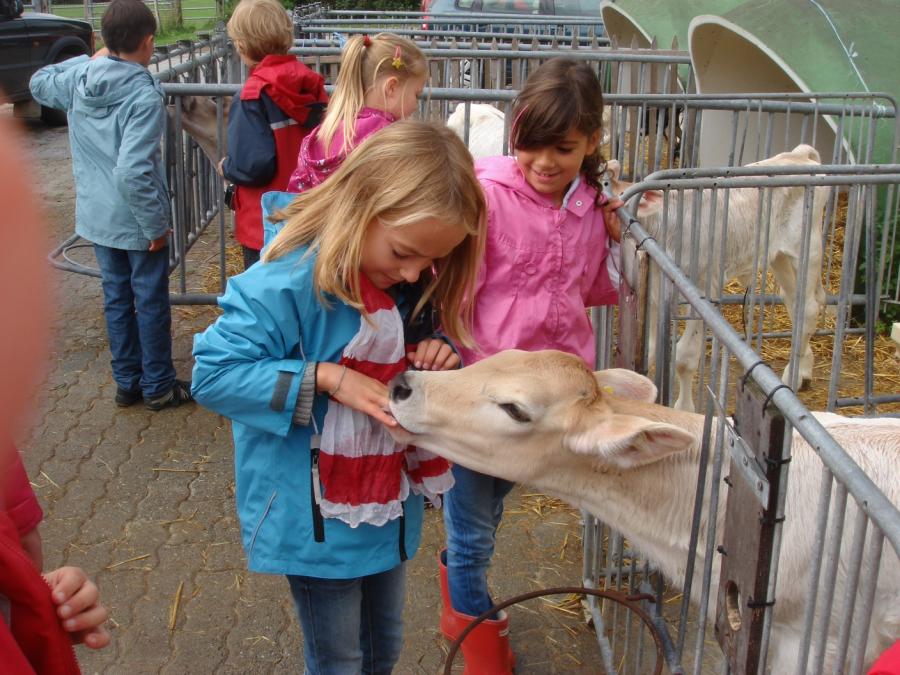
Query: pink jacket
[
  {"x": 543, "y": 267},
  {"x": 315, "y": 164}
]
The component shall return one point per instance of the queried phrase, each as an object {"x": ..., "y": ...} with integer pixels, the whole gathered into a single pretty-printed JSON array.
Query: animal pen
[{"x": 660, "y": 133}]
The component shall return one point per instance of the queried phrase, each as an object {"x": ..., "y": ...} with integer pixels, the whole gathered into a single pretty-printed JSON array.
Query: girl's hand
[
  {"x": 355, "y": 390},
  {"x": 433, "y": 354},
  {"x": 78, "y": 605},
  {"x": 611, "y": 218}
]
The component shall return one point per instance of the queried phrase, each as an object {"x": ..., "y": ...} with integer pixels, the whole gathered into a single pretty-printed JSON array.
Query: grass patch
[{"x": 196, "y": 15}]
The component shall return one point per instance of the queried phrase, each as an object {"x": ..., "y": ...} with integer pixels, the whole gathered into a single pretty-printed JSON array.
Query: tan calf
[{"x": 598, "y": 441}]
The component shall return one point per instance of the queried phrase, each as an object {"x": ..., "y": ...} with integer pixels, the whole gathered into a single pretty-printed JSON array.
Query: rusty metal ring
[{"x": 629, "y": 601}]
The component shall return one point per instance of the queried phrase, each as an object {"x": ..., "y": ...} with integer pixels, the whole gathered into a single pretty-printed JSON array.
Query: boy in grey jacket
[{"x": 116, "y": 119}]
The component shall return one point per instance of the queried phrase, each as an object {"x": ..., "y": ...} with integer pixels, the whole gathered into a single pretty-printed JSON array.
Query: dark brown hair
[
  {"x": 560, "y": 95},
  {"x": 125, "y": 24}
]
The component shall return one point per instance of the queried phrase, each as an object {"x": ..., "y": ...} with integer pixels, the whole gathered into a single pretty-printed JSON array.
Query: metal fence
[
  {"x": 493, "y": 66},
  {"x": 793, "y": 574},
  {"x": 502, "y": 26}
]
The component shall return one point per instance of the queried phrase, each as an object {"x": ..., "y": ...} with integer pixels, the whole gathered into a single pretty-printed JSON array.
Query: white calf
[
  {"x": 486, "y": 128},
  {"x": 742, "y": 220},
  {"x": 598, "y": 441}
]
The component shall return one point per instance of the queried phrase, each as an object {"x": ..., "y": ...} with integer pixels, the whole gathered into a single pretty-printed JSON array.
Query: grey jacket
[{"x": 116, "y": 117}]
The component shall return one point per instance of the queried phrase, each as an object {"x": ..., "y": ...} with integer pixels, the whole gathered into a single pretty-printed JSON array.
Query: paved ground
[{"x": 144, "y": 502}]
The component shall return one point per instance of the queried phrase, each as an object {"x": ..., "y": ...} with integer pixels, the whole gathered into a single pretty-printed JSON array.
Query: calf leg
[
  {"x": 687, "y": 356},
  {"x": 785, "y": 270}
]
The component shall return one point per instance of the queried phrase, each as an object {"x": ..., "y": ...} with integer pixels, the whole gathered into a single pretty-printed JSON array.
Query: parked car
[
  {"x": 578, "y": 8},
  {"x": 31, "y": 41}
]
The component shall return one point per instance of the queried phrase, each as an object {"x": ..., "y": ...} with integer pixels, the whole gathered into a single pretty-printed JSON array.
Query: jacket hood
[
  {"x": 290, "y": 84},
  {"x": 107, "y": 82}
]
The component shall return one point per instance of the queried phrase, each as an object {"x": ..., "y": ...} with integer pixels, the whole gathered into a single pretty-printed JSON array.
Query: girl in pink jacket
[
  {"x": 379, "y": 82},
  {"x": 547, "y": 260}
]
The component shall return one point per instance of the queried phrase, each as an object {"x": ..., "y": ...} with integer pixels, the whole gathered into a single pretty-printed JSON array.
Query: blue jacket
[
  {"x": 116, "y": 120},
  {"x": 248, "y": 367}
]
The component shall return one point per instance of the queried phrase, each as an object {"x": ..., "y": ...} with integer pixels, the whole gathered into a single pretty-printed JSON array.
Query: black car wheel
[{"x": 51, "y": 116}]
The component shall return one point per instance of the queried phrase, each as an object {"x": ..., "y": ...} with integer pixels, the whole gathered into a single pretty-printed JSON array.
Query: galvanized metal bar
[
  {"x": 809, "y": 612},
  {"x": 870, "y": 580},
  {"x": 852, "y": 575},
  {"x": 827, "y": 586}
]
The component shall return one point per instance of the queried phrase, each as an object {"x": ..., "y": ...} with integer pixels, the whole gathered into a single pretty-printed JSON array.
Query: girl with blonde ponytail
[{"x": 379, "y": 82}]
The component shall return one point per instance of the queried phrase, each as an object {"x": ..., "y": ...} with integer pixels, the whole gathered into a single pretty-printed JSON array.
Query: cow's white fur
[
  {"x": 486, "y": 125},
  {"x": 487, "y": 128},
  {"x": 783, "y": 255},
  {"x": 599, "y": 442}
]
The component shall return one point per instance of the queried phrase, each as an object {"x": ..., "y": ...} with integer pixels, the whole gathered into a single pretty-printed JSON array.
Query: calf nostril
[{"x": 400, "y": 390}]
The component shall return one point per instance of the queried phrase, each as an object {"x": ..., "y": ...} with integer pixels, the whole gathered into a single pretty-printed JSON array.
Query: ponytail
[{"x": 363, "y": 61}]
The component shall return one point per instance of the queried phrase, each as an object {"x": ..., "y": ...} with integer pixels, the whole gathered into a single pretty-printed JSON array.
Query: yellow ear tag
[{"x": 609, "y": 390}]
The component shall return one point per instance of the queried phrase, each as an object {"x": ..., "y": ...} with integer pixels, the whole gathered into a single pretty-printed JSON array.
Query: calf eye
[{"x": 515, "y": 412}]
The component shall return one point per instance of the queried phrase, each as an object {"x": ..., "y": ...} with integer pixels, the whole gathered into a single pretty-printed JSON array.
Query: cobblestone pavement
[{"x": 144, "y": 502}]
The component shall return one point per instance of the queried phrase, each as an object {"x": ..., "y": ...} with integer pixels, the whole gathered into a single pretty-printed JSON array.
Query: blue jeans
[
  {"x": 138, "y": 318},
  {"x": 351, "y": 626},
  {"x": 472, "y": 512}
]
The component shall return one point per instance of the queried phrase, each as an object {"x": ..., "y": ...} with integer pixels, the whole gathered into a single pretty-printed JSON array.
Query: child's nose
[{"x": 410, "y": 274}]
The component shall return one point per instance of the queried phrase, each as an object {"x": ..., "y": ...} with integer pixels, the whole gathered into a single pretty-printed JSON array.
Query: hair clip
[
  {"x": 367, "y": 41},
  {"x": 397, "y": 62}
]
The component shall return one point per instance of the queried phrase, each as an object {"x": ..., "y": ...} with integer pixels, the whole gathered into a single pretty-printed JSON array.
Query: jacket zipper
[
  {"x": 402, "y": 526},
  {"x": 316, "y": 490},
  {"x": 260, "y": 522}
]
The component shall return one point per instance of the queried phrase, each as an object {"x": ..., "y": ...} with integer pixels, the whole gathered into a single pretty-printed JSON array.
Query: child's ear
[{"x": 391, "y": 85}]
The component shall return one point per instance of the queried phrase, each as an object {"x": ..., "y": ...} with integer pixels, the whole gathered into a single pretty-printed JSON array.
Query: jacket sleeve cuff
[{"x": 303, "y": 408}]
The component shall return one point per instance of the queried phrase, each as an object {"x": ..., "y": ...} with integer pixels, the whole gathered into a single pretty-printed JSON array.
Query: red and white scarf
[{"x": 365, "y": 474}]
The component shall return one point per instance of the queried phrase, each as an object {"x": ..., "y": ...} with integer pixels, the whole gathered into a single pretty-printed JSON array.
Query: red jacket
[
  {"x": 16, "y": 496},
  {"x": 280, "y": 103},
  {"x": 34, "y": 640}
]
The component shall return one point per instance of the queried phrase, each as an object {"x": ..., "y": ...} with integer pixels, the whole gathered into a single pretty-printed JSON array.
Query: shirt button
[
  {"x": 530, "y": 269},
  {"x": 578, "y": 202}
]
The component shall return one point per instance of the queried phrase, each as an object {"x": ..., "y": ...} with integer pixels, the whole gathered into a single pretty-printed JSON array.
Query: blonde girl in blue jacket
[{"x": 299, "y": 361}]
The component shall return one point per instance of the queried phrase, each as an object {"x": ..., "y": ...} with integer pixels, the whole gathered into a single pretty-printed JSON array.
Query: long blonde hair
[
  {"x": 362, "y": 66},
  {"x": 407, "y": 172}
]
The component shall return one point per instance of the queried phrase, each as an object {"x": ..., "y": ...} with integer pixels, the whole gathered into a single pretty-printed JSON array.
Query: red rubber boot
[{"x": 486, "y": 649}]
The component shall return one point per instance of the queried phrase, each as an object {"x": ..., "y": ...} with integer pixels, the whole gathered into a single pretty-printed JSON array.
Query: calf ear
[
  {"x": 651, "y": 202},
  {"x": 626, "y": 384},
  {"x": 627, "y": 441}
]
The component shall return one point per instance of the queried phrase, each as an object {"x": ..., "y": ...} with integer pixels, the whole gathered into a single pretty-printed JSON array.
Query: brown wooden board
[{"x": 746, "y": 544}]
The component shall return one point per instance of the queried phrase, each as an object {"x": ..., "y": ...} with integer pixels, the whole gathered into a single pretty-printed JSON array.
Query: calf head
[
  {"x": 519, "y": 415},
  {"x": 651, "y": 202},
  {"x": 199, "y": 119}
]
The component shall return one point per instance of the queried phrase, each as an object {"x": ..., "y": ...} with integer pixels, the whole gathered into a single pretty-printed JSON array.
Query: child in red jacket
[
  {"x": 281, "y": 101},
  {"x": 39, "y": 624}
]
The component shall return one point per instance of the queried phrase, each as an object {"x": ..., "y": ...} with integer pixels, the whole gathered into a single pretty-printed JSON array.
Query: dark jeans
[
  {"x": 472, "y": 512},
  {"x": 251, "y": 256},
  {"x": 351, "y": 626},
  {"x": 138, "y": 318}
]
